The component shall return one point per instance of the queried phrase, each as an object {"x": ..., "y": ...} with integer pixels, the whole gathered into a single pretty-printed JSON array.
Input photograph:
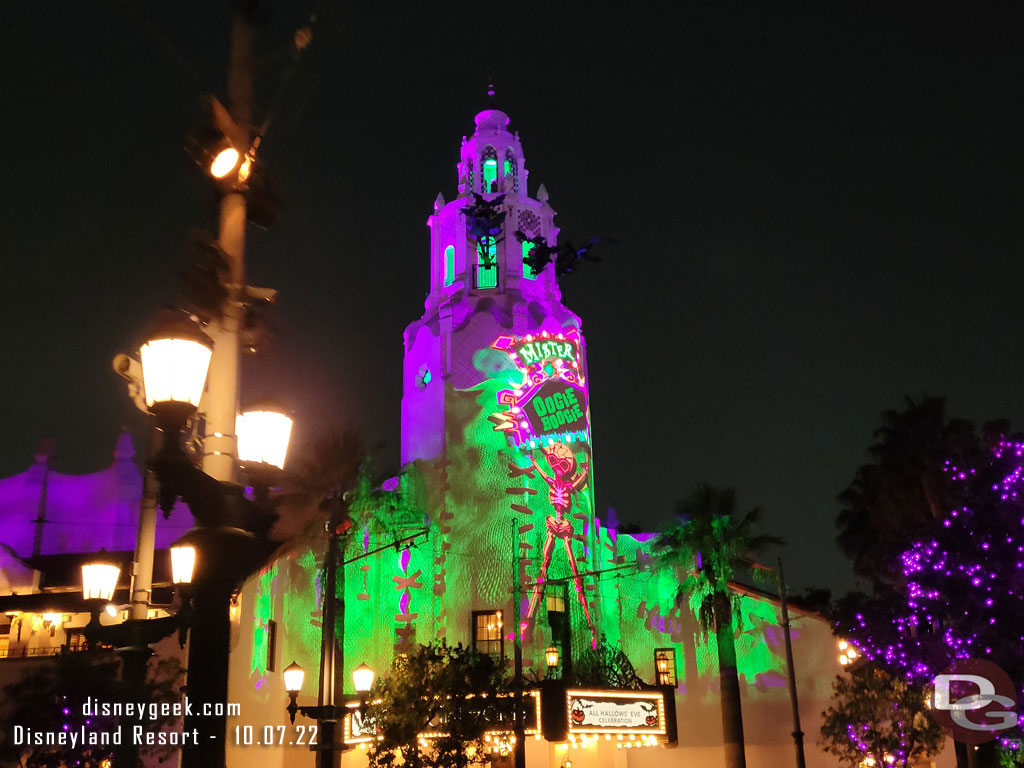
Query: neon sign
[
  {"x": 550, "y": 403},
  {"x": 615, "y": 712}
]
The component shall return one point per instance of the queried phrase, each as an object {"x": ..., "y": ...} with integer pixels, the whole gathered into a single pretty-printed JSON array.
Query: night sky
[{"x": 818, "y": 208}]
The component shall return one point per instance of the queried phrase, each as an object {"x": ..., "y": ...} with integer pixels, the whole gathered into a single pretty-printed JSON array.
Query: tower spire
[{"x": 491, "y": 104}]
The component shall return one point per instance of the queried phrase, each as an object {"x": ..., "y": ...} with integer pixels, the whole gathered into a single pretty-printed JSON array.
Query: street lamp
[
  {"x": 551, "y": 657},
  {"x": 362, "y": 679},
  {"x": 99, "y": 580},
  {"x": 175, "y": 359},
  {"x": 263, "y": 432},
  {"x": 183, "y": 563},
  {"x": 661, "y": 661},
  {"x": 293, "y": 677}
]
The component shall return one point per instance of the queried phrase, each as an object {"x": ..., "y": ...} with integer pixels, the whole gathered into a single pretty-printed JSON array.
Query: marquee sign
[
  {"x": 550, "y": 403},
  {"x": 615, "y": 712},
  {"x": 357, "y": 730}
]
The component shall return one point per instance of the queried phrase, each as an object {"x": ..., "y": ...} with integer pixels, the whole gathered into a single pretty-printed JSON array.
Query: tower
[{"x": 495, "y": 411}]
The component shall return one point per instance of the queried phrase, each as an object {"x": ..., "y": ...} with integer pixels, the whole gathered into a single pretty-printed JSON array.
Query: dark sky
[{"x": 818, "y": 209}]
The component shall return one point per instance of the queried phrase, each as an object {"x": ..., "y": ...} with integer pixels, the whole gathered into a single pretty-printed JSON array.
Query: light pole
[
  {"x": 175, "y": 360},
  {"x": 326, "y": 715},
  {"x": 798, "y": 735}
]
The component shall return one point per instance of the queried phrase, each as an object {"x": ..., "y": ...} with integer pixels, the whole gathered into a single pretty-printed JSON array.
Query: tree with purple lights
[
  {"x": 963, "y": 582},
  {"x": 878, "y": 717}
]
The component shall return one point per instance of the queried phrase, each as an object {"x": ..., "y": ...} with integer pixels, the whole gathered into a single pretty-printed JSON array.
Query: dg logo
[{"x": 975, "y": 699}]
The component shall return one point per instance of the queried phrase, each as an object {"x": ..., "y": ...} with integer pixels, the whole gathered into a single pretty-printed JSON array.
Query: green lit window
[
  {"x": 449, "y": 264},
  {"x": 487, "y": 636},
  {"x": 490, "y": 169},
  {"x": 527, "y": 272},
  {"x": 487, "y": 264},
  {"x": 511, "y": 169}
]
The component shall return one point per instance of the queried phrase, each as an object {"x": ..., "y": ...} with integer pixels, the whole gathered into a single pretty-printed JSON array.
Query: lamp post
[
  {"x": 326, "y": 715},
  {"x": 175, "y": 361},
  {"x": 661, "y": 662},
  {"x": 551, "y": 658}
]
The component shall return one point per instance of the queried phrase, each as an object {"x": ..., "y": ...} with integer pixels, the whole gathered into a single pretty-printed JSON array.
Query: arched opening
[{"x": 489, "y": 162}]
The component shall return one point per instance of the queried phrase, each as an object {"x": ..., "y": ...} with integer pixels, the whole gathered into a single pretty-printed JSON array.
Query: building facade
[{"x": 491, "y": 537}]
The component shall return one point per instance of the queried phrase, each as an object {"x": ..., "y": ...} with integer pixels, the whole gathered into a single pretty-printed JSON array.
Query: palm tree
[
  {"x": 707, "y": 542},
  {"x": 905, "y": 488}
]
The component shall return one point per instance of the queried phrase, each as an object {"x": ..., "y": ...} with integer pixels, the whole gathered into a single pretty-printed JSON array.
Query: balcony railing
[{"x": 33, "y": 653}]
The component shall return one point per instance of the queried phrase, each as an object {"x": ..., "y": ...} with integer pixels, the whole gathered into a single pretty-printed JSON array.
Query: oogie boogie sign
[
  {"x": 608, "y": 711},
  {"x": 548, "y": 399}
]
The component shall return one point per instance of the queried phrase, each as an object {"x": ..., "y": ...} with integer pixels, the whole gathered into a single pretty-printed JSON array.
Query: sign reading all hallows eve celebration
[{"x": 615, "y": 711}]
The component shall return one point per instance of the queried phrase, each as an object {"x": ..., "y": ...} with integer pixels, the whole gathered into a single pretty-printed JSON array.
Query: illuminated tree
[
  {"x": 963, "y": 593},
  {"x": 708, "y": 542},
  {"x": 49, "y": 698},
  {"x": 878, "y": 719},
  {"x": 433, "y": 708}
]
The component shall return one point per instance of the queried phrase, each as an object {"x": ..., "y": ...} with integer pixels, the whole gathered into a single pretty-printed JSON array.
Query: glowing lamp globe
[
  {"x": 224, "y": 162},
  {"x": 183, "y": 563},
  {"x": 662, "y": 662},
  {"x": 99, "y": 580},
  {"x": 293, "y": 677},
  {"x": 263, "y": 434},
  {"x": 551, "y": 656},
  {"x": 175, "y": 360},
  {"x": 362, "y": 678}
]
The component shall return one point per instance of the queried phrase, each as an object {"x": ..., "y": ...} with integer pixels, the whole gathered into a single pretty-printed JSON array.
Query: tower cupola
[
  {"x": 469, "y": 260},
  {"x": 492, "y": 160}
]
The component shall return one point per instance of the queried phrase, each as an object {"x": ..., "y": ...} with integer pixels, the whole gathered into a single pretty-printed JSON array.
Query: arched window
[
  {"x": 511, "y": 169},
  {"x": 487, "y": 264},
  {"x": 449, "y": 264},
  {"x": 490, "y": 170},
  {"x": 527, "y": 271}
]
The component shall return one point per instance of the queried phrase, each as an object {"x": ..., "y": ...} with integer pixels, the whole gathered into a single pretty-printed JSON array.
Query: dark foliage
[
  {"x": 52, "y": 693},
  {"x": 566, "y": 257},
  {"x": 451, "y": 690}
]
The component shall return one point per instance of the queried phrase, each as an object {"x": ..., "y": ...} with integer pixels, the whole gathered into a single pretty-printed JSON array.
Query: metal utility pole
[
  {"x": 220, "y": 402},
  {"x": 798, "y": 735},
  {"x": 519, "y": 748}
]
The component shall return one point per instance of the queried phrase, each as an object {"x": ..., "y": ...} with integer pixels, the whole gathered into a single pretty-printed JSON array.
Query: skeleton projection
[{"x": 565, "y": 480}]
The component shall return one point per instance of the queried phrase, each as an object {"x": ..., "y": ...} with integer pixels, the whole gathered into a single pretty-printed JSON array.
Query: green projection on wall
[{"x": 262, "y": 613}]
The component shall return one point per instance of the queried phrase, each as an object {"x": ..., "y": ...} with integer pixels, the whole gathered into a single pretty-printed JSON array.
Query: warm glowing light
[
  {"x": 52, "y": 618},
  {"x": 362, "y": 678},
  {"x": 263, "y": 436},
  {"x": 183, "y": 563},
  {"x": 293, "y": 676},
  {"x": 245, "y": 169},
  {"x": 551, "y": 656},
  {"x": 224, "y": 162},
  {"x": 843, "y": 645},
  {"x": 174, "y": 369},
  {"x": 111, "y": 610},
  {"x": 99, "y": 580},
  {"x": 662, "y": 662}
]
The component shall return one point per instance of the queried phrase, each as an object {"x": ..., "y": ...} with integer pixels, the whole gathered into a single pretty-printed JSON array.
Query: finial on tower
[{"x": 490, "y": 96}]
